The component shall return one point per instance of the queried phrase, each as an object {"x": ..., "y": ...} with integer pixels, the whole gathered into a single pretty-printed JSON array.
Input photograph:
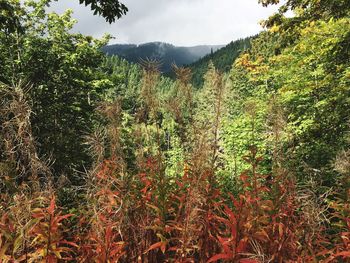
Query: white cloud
[{"x": 180, "y": 22}]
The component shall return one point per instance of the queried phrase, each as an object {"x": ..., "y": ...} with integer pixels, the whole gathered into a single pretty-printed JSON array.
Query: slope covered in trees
[
  {"x": 166, "y": 54},
  {"x": 222, "y": 59},
  {"x": 106, "y": 161}
]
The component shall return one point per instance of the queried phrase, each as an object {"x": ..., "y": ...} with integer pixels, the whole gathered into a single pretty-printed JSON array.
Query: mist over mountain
[{"x": 166, "y": 53}]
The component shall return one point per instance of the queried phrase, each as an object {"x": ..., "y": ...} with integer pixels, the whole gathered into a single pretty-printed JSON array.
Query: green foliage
[
  {"x": 315, "y": 92},
  {"x": 9, "y": 17},
  {"x": 312, "y": 9},
  {"x": 125, "y": 78},
  {"x": 222, "y": 60},
  {"x": 304, "y": 66},
  {"x": 309, "y": 80},
  {"x": 110, "y": 9},
  {"x": 65, "y": 79}
]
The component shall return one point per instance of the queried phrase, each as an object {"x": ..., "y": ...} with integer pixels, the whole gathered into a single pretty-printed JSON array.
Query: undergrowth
[{"x": 133, "y": 211}]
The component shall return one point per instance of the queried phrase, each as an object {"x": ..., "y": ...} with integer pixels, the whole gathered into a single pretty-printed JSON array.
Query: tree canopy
[{"x": 109, "y": 9}]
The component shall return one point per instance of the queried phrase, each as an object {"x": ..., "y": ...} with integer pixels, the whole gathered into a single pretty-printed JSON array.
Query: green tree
[
  {"x": 63, "y": 70},
  {"x": 313, "y": 77},
  {"x": 222, "y": 60},
  {"x": 109, "y": 9},
  {"x": 9, "y": 19}
]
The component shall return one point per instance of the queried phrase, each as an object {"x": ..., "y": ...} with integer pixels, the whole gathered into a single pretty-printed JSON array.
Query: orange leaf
[
  {"x": 344, "y": 254},
  {"x": 60, "y": 218},
  {"x": 160, "y": 244},
  {"x": 163, "y": 247},
  {"x": 280, "y": 230},
  {"x": 51, "y": 208},
  {"x": 68, "y": 243},
  {"x": 38, "y": 215},
  {"x": 242, "y": 245}
]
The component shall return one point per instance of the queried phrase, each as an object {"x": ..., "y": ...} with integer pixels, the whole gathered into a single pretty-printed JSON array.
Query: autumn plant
[{"x": 134, "y": 210}]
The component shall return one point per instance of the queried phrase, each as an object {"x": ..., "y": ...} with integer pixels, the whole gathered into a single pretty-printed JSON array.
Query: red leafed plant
[
  {"x": 242, "y": 220},
  {"x": 341, "y": 240},
  {"x": 7, "y": 238},
  {"x": 101, "y": 243},
  {"x": 99, "y": 233},
  {"x": 191, "y": 226},
  {"x": 262, "y": 223},
  {"x": 48, "y": 232},
  {"x": 33, "y": 232}
]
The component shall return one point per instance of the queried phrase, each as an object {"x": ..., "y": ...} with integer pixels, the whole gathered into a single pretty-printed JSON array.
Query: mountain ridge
[{"x": 166, "y": 53}]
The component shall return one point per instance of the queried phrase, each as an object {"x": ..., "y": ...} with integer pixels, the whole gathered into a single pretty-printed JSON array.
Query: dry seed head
[
  {"x": 15, "y": 112},
  {"x": 183, "y": 74},
  {"x": 342, "y": 163},
  {"x": 111, "y": 110},
  {"x": 96, "y": 143},
  {"x": 148, "y": 94},
  {"x": 150, "y": 65}
]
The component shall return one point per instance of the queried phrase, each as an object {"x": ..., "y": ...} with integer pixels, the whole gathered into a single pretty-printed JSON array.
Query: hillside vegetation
[
  {"x": 104, "y": 161},
  {"x": 165, "y": 54},
  {"x": 222, "y": 59}
]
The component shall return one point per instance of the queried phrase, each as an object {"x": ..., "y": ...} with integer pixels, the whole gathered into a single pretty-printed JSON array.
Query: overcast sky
[{"x": 179, "y": 22}]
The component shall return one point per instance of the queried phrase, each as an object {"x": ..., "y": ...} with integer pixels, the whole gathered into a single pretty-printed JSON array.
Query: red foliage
[
  {"x": 47, "y": 234},
  {"x": 151, "y": 219}
]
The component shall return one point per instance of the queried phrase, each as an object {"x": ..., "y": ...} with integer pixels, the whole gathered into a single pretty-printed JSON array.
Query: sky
[{"x": 179, "y": 22}]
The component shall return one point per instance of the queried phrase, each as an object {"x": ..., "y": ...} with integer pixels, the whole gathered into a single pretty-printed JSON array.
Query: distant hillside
[
  {"x": 222, "y": 59},
  {"x": 167, "y": 54}
]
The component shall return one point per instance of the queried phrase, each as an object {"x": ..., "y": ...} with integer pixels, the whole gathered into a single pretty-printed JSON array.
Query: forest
[
  {"x": 166, "y": 54},
  {"x": 243, "y": 156}
]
